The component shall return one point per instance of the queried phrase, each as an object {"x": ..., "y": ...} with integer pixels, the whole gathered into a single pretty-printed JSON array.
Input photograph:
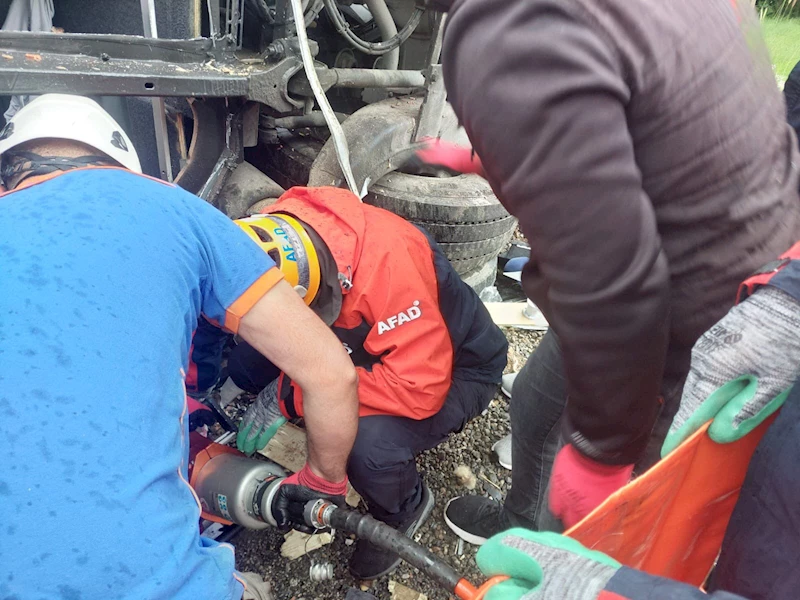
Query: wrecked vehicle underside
[{"x": 218, "y": 99}]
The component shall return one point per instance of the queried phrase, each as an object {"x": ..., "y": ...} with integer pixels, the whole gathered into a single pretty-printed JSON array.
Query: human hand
[
  {"x": 742, "y": 369},
  {"x": 261, "y": 420},
  {"x": 446, "y": 156},
  {"x": 579, "y": 484},
  {"x": 299, "y": 489},
  {"x": 543, "y": 566}
]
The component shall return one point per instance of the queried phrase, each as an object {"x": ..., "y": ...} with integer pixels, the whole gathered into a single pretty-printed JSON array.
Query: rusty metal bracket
[
  {"x": 208, "y": 142},
  {"x": 230, "y": 158},
  {"x": 430, "y": 114}
]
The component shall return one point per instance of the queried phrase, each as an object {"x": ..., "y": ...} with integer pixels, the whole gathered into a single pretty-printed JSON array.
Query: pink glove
[
  {"x": 450, "y": 156},
  {"x": 578, "y": 484},
  {"x": 307, "y": 478}
]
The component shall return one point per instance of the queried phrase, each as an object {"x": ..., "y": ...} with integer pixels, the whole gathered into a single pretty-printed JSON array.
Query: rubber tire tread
[
  {"x": 409, "y": 196},
  {"x": 463, "y": 199},
  {"x": 465, "y": 265},
  {"x": 467, "y": 232},
  {"x": 457, "y": 250},
  {"x": 481, "y": 278}
]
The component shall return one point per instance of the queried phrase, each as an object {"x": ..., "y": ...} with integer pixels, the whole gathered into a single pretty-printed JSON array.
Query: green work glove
[
  {"x": 260, "y": 421},
  {"x": 544, "y": 566},
  {"x": 742, "y": 369}
]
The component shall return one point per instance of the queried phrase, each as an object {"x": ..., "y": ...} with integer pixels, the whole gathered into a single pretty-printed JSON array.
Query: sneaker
[
  {"x": 502, "y": 449},
  {"x": 475, "y": 519},
  {"x": 508, "y": 383},
  {"x": 370, "y": 562}
]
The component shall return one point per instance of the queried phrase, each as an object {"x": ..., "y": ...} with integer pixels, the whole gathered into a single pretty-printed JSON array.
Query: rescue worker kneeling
[{"x": 428, "y": 356}]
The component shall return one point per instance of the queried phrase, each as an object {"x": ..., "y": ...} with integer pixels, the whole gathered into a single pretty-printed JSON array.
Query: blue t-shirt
[{"x": 103, "y": 274}]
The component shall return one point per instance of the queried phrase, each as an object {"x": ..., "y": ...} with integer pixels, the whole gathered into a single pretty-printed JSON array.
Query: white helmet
[{"x": 70, "y": 118}]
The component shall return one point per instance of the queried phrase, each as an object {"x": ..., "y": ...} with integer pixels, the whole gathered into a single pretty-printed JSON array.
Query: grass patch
[{"x": 783, "y": 41}]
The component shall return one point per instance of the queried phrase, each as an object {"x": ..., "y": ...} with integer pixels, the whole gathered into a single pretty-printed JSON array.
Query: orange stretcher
[{"x": 671, "y": 521}]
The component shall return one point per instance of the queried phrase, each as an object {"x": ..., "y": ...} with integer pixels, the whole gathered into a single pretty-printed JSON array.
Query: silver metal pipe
[
  {"x": 315, "y": 119},
  {"x": 366, "y": 78},
  {"x": 385, "y": 22}
]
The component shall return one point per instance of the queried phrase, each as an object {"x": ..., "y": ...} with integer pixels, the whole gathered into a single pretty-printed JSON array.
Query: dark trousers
[
  {"x": 207, "y": 346},
  {"x": 761, "y": 550},
  {"x": 538, "y": 401},
  {"x": 382, "y": 466}
]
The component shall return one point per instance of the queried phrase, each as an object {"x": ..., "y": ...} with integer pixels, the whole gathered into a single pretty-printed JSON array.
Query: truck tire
[
  {"x": 467, "y": 232},
  {"x": 460, "y": 200},
  {"x": 482, "y": 277},
  {"x": 461, "y": 212}
]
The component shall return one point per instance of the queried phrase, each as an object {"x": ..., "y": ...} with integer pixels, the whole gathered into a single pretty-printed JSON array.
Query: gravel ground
[{"x": 259, "y": 551}]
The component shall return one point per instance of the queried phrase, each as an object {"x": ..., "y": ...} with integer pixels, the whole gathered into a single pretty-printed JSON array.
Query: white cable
[{"x": 339, "y": 140}]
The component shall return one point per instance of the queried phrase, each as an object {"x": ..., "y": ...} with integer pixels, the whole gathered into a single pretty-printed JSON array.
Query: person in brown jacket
[{"x": 644, "y": 147}]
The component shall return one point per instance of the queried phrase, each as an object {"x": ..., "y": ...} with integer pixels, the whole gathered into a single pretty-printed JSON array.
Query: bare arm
[{"x": 295, "y": 340}]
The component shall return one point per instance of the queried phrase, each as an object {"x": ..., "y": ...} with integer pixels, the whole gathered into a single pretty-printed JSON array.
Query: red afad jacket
[{"x": 390, "y": 320}]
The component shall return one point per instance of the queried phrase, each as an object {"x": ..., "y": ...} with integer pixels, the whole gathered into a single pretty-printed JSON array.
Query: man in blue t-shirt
[{"x": 101, "y": 267}]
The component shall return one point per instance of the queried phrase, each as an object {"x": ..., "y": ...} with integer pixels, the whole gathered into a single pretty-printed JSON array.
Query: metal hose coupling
[
  {"x": 320, "y": 514},
  {"x": 317, "y": 513}
]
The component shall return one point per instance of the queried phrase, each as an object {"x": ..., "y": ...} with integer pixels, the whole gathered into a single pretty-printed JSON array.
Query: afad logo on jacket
[{"x": 404, "y": 316}]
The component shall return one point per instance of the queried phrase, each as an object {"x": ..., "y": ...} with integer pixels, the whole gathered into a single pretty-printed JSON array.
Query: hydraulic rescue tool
[{"x": 235, "y": 489}]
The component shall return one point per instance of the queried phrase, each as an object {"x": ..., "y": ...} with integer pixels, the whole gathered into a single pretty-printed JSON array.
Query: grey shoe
[
  {"x": 508, "y": 383},
  {"x": 502, "y": 448}
]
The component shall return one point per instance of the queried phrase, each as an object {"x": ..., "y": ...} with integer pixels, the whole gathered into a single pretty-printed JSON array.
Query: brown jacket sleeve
[{"x": 543, "y": 97}]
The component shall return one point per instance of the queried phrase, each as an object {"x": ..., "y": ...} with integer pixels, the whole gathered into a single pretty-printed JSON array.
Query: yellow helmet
[{"x": 286, "y": 242}]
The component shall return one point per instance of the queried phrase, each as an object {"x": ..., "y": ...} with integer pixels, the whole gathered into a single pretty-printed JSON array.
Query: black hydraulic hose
[
  {"x": 382, "y": 535},
  {"x": 374, "y": 48}
]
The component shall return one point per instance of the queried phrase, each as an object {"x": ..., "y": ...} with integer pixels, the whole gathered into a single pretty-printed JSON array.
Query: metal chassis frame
[
  {"x": 120, "y": 65},
  {"x": 125, "y": 65},
  {"x": 201, "y": 68}
]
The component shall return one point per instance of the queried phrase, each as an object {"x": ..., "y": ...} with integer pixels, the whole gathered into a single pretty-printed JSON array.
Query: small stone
[{"x": 465, "y": 477}]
